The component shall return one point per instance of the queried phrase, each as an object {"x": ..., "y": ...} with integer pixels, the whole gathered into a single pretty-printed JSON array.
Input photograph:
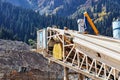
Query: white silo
[
  {"x": 80, "y": 23},
  {"x": 116, "y": 29}
]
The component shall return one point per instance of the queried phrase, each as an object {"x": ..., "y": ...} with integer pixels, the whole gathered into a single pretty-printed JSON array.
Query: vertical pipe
[
  {"x": 66, "y": 73},
  {"x": 48, "y": 40},
  {"x": 63, "y": 46}
]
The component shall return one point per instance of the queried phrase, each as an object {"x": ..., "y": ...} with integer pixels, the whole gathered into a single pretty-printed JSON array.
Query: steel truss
[{"x": 77, "y": 59}]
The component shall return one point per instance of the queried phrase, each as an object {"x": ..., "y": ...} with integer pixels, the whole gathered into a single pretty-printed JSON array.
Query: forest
[
  {"x": 21, "y": 24},
  {"x": 103, "y": 13}
]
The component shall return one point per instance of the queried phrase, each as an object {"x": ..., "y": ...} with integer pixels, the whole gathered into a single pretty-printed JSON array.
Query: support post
[{"x": 66, "y": 73}]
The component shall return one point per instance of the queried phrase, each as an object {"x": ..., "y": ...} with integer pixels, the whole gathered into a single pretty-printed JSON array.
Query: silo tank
[
  {"x": 116, "y": 29},
  {"x": 80, "y": 25}
]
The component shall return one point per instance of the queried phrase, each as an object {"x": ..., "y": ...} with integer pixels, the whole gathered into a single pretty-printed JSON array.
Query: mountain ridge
[
  {"x": 19, "y": 3},
  {"x": 62, "y": 7},
  {"x": 17, "y": 23},
  {"x": 56, "y": 7},
  {"x": 102, "y": 12}
]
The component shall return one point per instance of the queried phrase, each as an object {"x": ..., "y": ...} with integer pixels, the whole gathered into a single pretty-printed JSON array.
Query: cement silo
[
  {"x": 80, "y": 23},
  {"x": 116, "y": 29}
]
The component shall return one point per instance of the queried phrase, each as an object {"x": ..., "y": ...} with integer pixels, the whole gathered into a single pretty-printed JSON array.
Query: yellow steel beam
[{"x": 91, "y": 23}]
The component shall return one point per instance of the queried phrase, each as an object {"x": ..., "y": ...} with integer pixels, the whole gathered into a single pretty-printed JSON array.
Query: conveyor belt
[{"x": 97, "y": 57}]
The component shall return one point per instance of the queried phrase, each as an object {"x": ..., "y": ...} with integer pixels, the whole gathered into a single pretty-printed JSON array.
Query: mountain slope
[
  {"x": 57, "y": 7},
  {"x": 21, "y": 24},
  {"x": 15, "y": 54},
  {"x": 103, "y": 13},
  {"x": 21, "y": 3},
  {"x": 97, "y": 6},
  {"x": 64, "y": 7}
]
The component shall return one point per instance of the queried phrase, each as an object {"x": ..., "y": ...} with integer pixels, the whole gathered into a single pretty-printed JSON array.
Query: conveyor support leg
[{"x": 66, "y": 73}]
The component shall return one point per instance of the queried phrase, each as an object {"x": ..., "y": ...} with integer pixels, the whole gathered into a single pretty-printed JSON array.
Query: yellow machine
[{"x": 57, "y": 51}]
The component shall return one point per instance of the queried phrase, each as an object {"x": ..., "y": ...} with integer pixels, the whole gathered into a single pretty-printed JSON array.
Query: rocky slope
[
  {"x": 72, "y": 8},
  {"x": 57, "y": 7},
  {"x": 15, "y": 54}
]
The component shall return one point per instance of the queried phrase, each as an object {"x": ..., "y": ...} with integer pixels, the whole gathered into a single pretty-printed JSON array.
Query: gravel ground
[{"x": 16, "y": 54}]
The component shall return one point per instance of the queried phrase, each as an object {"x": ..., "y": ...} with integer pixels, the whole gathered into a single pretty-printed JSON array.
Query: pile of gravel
[
  {"x": 17, "y": 54},
  {"x": 13, "y": 45}
]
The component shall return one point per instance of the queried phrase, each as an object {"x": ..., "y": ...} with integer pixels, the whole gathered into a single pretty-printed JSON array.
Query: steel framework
[{"x": 81, "y": 58}]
